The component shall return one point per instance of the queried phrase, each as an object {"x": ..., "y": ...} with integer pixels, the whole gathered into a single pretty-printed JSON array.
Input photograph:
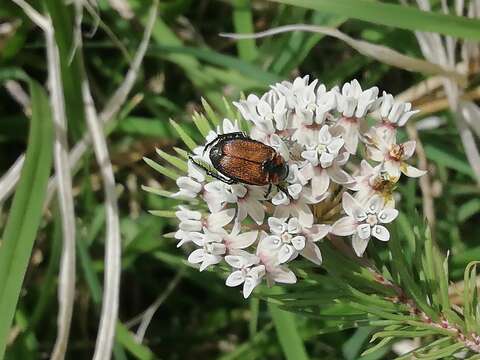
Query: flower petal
[
  {"x": 294, "y": 226},
  {"x": 271, "y": 242},
  {"x": 339, "y": 175},
  {"x": 335, "y": 145},
  {"x": 324, "y": 136},
  {"x": 359, "y": 245},
  {"x": 344, "y": 226},
  {"x": 283, "y": 275},
  {"x": 412, "y": 171},
  {"x": 285, "y": 253},
  {"x": 298, "y": 242},
  {"x": 312, "y": 253},
  {"x": 256, "y": 211},
  {"x": 235, "y": 278},
  {"x": 304, "y": 214},
  {"x": 190, "y": 225},
  {"x": 280, "y": 198},
  {"x": 364, "y": 231},
  {"x": 277, "y": 226},
  {"x": 221, "y": 218},
  {"x": 311, "y": 156},
  {"x": 242, "y": 241},
  {"x": 318, "y": 232},
  {"x": 197, "y": 256},
  {"x": 236, "y": 261},
  {"x": 294, "y": 190},
  {"x": 387, "y": 215},
  {"x": 210, "y": 260},
  {"x": 320, "y": 183},
  {"x": 248, "y": 286},
  {"x": 375, "y": 204},
  {"x": 393, "y": 168},
  {"x": 349, "y": 203},
  {"x": 381, "y": 233},
  {"x": 408, "y": 149}
]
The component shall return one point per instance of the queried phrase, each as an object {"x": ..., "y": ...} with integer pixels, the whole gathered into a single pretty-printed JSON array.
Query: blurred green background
[{"x": 186, "y": 60}]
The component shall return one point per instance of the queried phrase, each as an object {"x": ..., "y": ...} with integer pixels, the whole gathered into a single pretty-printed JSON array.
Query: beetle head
[{"x": 277, "y": 169}]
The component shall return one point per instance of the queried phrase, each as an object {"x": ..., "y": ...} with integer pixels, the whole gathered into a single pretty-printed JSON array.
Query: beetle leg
[
  {"x": 268, "y": 191},
  {"x": 226, "y": 180}
]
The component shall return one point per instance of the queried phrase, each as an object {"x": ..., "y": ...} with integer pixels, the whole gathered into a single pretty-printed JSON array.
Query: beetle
[{"x": 240, "y": 159}]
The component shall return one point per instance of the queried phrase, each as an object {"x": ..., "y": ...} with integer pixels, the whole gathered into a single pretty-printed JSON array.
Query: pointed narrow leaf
[
  {"x": 287, "y": 332},
  {"x": 26, "y": 211},
  {"x": 173, "y": 160},
  {"x": 404, "y": 17},
  {"x": 184, "y": 136},
  {"x": 470, "y": 297},
  {"x": 211, "y": 115},
  {"x": 157, "y": 191},
  {"x": 162, "y": 169},
  {"x": 201, "y": 123}
]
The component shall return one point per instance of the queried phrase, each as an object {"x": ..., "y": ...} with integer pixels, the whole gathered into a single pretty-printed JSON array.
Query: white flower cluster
[{"x": 334, "y": 188}]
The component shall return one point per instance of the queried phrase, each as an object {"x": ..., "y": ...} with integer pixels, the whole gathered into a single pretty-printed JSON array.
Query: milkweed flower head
[{"x": 344, "y": 163}]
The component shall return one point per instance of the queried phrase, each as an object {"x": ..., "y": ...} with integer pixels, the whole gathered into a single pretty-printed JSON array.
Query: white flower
[
  {"x": 373, "y": 181},
  {"x": 193, "y": 221},
  {"x": 190, "y": 225},
  {"x": 393, "y": 113},
  {"x": 274, "y": 271},
  {"x": 247, "y": 271},
  {"x": 188, "y": 188},
  {"x": 296, "y": 204},
  {"x": 268, "y": 113},
  {"x": 355, "y": 102},
  {"x": 217, "y": 194},
  {"x": 248, "y": 200},
  {"x": 290, "y": 238},
  {"x": 364, "y": 221},
  {"x": 299, "y": 95},
  {"x": 393, "y": 156},
  {"x": 325, "y": 161},
  {"x": 211, "y": 252},
  {"x": 215, "y": 244}
]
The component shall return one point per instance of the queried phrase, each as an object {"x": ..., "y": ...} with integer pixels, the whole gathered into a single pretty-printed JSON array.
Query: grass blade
[
  {"x": 403, "y": 17},
  {"x": 26, "y": 211},
  {"x": 242, "y": 21},
  {"x": 287, "y": 333}
]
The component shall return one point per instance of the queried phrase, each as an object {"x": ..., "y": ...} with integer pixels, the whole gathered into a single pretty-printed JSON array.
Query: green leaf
[
  {"x": 352, "y": 347},
  {"x": 126, "y": 338},
  {"x": 184, "y": 136},
  {"x": 163, "y": 213},
  {"x": 26, "y": 211},
  {"x": 468, "y": 209},
  {"x": 404, "y": 17},
  {"x": 470, "y": 298},
  {"x": 156, "y": 191},
  {"x": 71, "y": 68},
  {"x": 162, "y": 169},
  {"x": 243, "y": 23},
  {"x": 287, "y": 332},
  {"x": 135, "y": 125},
  {"x": 211, "y": 114},
  {"x": 173, "y": 160},
  {"x": 437, "y": 343},
  {"x": 254, "y": 311},
  {"x": 449, "y": 159},
  {"x": 201, "y": 123}
]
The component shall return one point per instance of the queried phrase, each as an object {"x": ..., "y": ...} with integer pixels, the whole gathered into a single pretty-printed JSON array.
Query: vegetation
[{"x": 111, "y": 82}]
